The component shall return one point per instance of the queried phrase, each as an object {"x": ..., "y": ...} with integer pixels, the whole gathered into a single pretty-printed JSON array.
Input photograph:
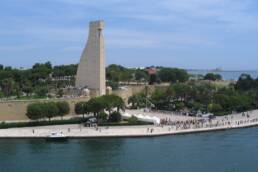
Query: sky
[{"x": 190, "y": 34}]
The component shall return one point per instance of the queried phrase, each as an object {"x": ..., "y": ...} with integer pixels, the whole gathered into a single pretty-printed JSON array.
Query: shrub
[
  {"x": 212, "y": 77},
  {"x": 133, "y": 120},
  {"x": 115, "y": 117},
  {"x": 4, "y": 125},
  {"x": 102, "y": 117}
]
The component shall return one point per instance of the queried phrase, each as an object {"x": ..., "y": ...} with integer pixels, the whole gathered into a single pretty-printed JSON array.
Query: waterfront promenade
[{"x": 172, "y": 125}]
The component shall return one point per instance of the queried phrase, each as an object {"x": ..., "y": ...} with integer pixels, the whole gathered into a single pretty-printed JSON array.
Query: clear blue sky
[{"x": 177, "y": 33}]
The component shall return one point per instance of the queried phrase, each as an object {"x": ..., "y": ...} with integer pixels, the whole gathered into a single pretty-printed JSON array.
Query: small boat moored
[{"x": 57, "y": 136}]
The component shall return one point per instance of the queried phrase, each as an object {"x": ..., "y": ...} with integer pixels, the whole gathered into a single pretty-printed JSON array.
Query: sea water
[
  {"x": 225, "y": 151},
  {"x": 227, "y": 75}
]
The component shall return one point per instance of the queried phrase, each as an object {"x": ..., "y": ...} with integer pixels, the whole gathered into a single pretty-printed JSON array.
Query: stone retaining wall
[{"x": 16, "y": 110}]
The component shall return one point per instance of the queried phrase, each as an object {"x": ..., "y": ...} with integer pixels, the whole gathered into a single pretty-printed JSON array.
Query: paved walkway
[{"x": 175, "y": 125}]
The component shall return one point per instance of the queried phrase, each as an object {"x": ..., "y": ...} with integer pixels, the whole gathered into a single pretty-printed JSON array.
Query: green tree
[
  {"x": 35, "y": 111},
  {"x": 50, "y": 110},
  {"x": 133, "y": 120},
  {"x": 17, "y": 91},
  {"x": 27, "y": 88},
  {"x": 118, "y": 103},
  {"x": 1, "y": 94},
  {"x": 102, "y": 117},
  {"x": 215, "y": 108},
  {"x": 65, "y": 70},
  {"x": 112, "y": 101},
  {"x": 153, "y": 79},
  {"x": 173, "y": 75},
  {"x": 223, "y": 100},
  {"x": 179, "y": 106},
  {"x": 79, "y": 108},
  {"x": 181, "y": 91},
  {"x": 245, "y": 82},
  {"x": 114, "y": 72},
  {"x": 133, "y": 101},
  {"x": 160, "y": 100},
  {"x": 7, "y": 86},
  {"x": 63, "y": 108},
  {"x": 140, "y": 75},
  {"x": 108, "y": 102},
  {"x": 115, "y": 117},
  {"x": 255, "y": 99},
  {"x": 127, "y": 76},
  {"x": 212, "y": 77},
  {"x": 82, "y": 108},
  {"x": 113, "y": 85},
  {"x": 96, "y": 105},
  {"x": 41, "y": 92}
]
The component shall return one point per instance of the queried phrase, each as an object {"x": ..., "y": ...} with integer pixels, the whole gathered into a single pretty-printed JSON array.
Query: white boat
[{"x": 57, "y": 136}]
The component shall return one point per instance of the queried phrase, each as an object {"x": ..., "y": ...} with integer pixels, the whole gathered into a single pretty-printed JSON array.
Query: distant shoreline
[
  {"x": 212, "y": 70},
  {"x": 226, "y": 74}
]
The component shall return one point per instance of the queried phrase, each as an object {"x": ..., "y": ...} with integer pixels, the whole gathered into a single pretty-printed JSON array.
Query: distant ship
[{"x": 219, "y": 69}]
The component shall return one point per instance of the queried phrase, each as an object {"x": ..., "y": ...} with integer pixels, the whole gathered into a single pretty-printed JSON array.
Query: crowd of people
[{"x": 198, "y": 123}]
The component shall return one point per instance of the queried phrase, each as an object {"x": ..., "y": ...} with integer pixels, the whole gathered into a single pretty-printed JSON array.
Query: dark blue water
[
  {"x": 229, "y": 151},
  {"x": 227, "y": 75}
]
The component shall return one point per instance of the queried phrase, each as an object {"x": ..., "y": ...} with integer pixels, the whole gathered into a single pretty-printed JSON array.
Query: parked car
[{"x": 91, "y": 122}]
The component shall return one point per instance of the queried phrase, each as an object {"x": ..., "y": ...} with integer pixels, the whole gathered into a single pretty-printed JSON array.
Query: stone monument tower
[{"x": 91, "y": 71}]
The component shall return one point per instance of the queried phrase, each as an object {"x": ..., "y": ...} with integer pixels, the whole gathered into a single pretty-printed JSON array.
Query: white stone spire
[{"x": 91, "y": 71}]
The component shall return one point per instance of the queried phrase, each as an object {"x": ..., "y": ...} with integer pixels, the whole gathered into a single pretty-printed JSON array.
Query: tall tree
[
  {"x": 245, "y": 82},
  {"x": 7, "y": 86},
  {"x": 173, "y": 75},
  {"x": 63, "y": 108},
  {"x": 35, "y": 111},
  {"x": 50, "y": 110}
]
